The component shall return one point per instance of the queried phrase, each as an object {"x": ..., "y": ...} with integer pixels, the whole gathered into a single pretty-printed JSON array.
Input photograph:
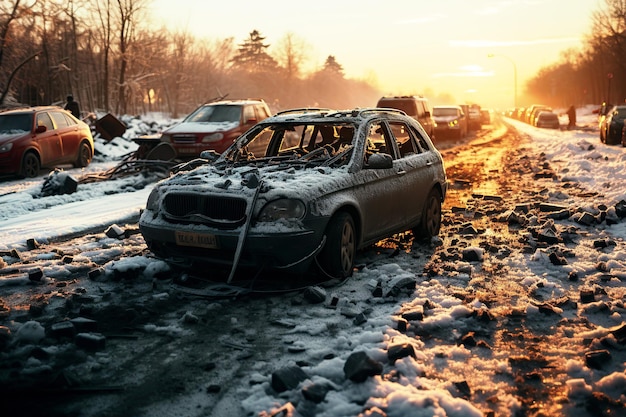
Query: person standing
[
  {"x": 72, "y": 106},
  {"x": 571, "y": 114}
]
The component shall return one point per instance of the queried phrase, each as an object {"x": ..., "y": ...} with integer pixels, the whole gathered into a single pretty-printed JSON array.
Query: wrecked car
[{"x": 301, "y": 192}]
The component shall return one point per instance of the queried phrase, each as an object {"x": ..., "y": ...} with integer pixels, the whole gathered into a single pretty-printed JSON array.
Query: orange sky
[{"x": 407, "y": 46}]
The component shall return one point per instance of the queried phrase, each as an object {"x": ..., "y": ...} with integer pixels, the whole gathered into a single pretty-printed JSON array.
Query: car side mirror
[
  {"x": 41, "y": 129},
  {"x": 380, "y": 161}
]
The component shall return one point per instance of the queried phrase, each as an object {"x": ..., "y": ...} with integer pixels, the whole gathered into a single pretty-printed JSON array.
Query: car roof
[
  {"x": 236, "y": 102},
  {"x": 33, "y": 109},
  {"x": 451, "y": 106},
  {"x": 313, "y": 115}
]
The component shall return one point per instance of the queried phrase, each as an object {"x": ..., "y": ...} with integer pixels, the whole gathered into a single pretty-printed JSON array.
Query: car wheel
[
  {"x": 337, "y": 257},
  {"x": 84, "y": 156},
  {"x": 431, "y": 216},
  {"x": 30, "y": 165}
]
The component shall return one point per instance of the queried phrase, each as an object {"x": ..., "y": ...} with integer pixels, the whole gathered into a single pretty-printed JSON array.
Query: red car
[
  {"x": 214, "y": 126},
  {"x": 36, "y": 137}
]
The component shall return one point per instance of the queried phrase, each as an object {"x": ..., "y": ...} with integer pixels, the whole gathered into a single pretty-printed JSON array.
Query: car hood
[
  {"x": 275, "y": 181},
  {"x": 201, "y": 127},
  {"x": 9, "y": 137},
  {"x": 445, "y": 119}
]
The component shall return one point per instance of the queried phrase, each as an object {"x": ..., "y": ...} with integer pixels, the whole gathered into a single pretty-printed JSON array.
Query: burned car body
[{"x": 301, "y": 191}]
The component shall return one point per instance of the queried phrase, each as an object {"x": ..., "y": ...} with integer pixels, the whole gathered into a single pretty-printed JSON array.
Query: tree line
[
  {"x": 596, "y": 73},
  {"x": 106, "y": 55}
]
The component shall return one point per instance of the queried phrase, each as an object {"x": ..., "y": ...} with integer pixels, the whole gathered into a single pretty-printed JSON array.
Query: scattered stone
[
  {"x": 572, "y": 276},
  {"x": 360, "y": 319},
  {"x": 30, "y": 332},
  {"x": 468, "y": 340},
  {"x": 620, "y": 209},
  {"x": 359, "y": 366},
  {"x": 620, "y": 333},
  {"x": 84, "y": 325},
  {"x": 115, "y": 232},
  {"x": 402, "y": 325},
  {"x": 63, "y": 329},
  {"x": 557, "y": 259},
  {"x": 35, "y": 275},
  {"x": 32, "y": 244},
  {"x": 316, "y": 392},
  {"x": 315, "y": 294},
  {"x": 213, "y": 389},
  {"x": 287, "y": 378},
  {"x": 586, "y": 219},
  {"x": 587, "y": 296},
  {"x": 67, "y": 259},
  {"x": 399, "y": 351},
  {"x": 416, "y": 314},
  {"x": 473, "y": 254},
  {"x": 463, "y": 388},
  {"x": 596, "y": 359},
  {"x": 90, "y": 341},
  {"x": 95, "y": 273}
]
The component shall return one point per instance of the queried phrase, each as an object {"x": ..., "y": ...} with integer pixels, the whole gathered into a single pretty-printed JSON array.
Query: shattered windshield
[{"x": 296, "y": 143}]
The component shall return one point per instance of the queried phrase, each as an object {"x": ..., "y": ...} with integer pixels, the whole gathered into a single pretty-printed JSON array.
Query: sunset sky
[{"x": 407, "y": 46}]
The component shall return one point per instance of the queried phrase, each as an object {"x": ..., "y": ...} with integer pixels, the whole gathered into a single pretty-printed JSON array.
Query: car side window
[
  {"x": 261, "y": 112},
  {"x": 59, "y": 119},
  {"x": 43, "y": 119},
  {"x": 378, "y": 141},
  {"x": 248, "y": 114},
  {"x": 419, "y": 138},
  {"x": 406, "y": 142}
]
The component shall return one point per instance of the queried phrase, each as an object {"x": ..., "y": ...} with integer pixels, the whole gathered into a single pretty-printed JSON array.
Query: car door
[
  {"x": 69, "y": 134},
  {"x": 417, "y": 165},
  {"x": 49, "y": 142},
  {"x": 381, "y": 189}
]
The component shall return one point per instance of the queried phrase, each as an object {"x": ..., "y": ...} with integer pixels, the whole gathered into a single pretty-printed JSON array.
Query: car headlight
[
  {"x": 283, "y": 208},
  {"x": 6, "y": 147},
  {"x": 453, "y": 123},
  {"x": 153, "y": 200},
  {"x": 213, "y": 137}
]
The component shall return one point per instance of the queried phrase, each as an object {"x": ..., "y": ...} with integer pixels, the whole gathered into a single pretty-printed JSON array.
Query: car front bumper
[{"x": 291, "y": 251}]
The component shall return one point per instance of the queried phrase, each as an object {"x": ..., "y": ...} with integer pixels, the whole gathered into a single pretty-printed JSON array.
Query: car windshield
[
  {"x": 215, "y": 114},
  {"x": 443, "y": 112},
  {"x": 620, "y": 113},
  {"x": 302, "y": 143},
  {"x": 15, "y": 123}
]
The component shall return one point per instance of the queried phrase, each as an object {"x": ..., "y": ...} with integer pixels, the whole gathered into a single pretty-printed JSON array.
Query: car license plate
[{"x": 198, "y": 240}]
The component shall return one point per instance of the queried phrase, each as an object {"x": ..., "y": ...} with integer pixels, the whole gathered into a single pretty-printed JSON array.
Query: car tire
[
  {"x": 337, "y": 256},
  {"x": 30, "y": 165},
  {"x": 84, "y": 156},
  {"x": 431, "y": 216}
]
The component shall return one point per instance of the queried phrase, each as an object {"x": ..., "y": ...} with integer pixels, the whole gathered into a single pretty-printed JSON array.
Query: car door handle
[
  {"x": 401, "y": 172},
  {"x": 429, "y": 163}
]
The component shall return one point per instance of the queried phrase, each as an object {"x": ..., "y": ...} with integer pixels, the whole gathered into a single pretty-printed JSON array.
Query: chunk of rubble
[
  {"x": 359, "y": 366},
  {"x": 288, "y": 378}
]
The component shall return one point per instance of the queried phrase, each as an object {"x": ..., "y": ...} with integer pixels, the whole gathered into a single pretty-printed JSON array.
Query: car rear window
[{"x": 407, "y": 106}]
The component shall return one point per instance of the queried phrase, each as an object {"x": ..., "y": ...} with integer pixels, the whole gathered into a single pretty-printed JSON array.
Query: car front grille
[
  {"x": 184, "y": 139},
  {"x": 223, "y": 212}
]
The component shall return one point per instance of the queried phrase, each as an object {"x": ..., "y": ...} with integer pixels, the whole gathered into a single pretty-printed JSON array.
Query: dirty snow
[{"x": 576, "y": 155}]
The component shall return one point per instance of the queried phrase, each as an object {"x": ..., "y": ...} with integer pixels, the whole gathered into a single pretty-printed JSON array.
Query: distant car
[
  {"x": 532, "y": 118},
  {"x": 46, "y": 136},
  {"x": 612, "y": 125},
  {"x": 451, "y": 121},
  {"x": 415, "y": 106},
  {"x": 485, "y": 116},
  {"x": 547, "y": 119},
  {"x": 300, "y": 192},
  {"x": 474, "y": 117},
  {"x": 214, "y": 126}
]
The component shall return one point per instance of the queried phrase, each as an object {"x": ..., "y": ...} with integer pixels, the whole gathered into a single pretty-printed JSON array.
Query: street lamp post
[{"x": 514, "y": 75}]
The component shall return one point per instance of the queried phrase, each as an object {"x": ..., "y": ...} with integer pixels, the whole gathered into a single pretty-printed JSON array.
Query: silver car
[{"x": 302, "y": 191}]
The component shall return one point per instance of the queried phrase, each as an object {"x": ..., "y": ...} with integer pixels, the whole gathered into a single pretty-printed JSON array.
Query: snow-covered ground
[{"x": 409, "y": 336}]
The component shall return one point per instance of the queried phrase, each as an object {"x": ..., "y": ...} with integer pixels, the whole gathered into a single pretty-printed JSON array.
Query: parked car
[
  {"x": 485, "y": 116},
  {"x": 474, "y": 117},
  {"x": 450, "y": 121},
  {"x": 612, "y": 125},
  {"x": 301, "y": 192},
  {"x": 45, "y": 136},
  {"x": 547, "y": 119},
  {"x": 214, "y": 126},
  {"x": 532, "y": 118},
  {"x": 416, "y": 107}
]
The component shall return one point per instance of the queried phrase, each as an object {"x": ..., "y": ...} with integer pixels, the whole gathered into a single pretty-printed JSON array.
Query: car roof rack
[{"x": 302, "y": 110}]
